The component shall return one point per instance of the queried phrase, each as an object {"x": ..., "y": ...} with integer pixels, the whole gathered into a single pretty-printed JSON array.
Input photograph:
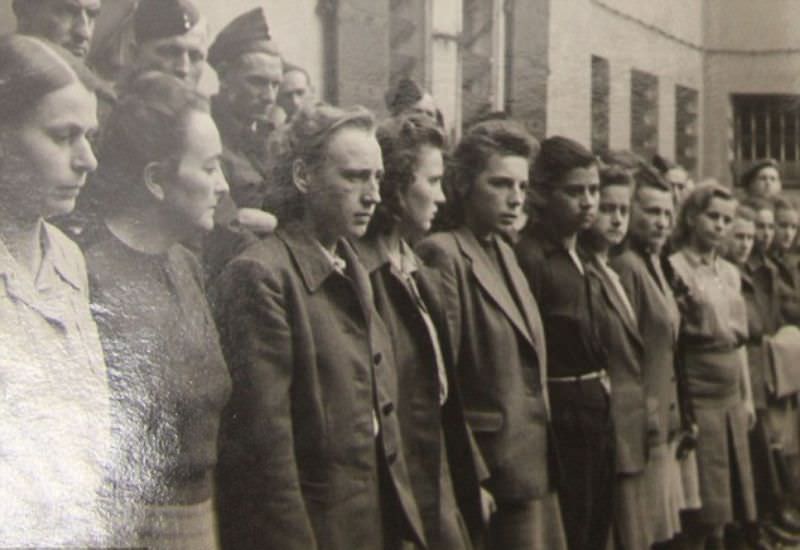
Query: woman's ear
[
  {"x": 300, "y": 176},
  {"x": 154, "y": 178}
]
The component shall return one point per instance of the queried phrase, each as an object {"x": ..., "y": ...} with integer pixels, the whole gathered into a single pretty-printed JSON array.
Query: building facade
[{"x": 709, "y": 83}]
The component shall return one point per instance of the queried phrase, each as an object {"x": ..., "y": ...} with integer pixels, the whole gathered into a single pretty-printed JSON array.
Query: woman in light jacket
[{"x": 54, "y": 413}]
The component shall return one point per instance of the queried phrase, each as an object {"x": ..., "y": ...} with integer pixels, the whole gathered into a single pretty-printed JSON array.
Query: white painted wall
[
  {"x": 618, "y": 31},
  {"x": 743, "y": 38}
]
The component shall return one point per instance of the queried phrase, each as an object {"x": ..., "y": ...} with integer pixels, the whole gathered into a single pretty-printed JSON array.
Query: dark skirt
[{"x": 723, "y": 454}]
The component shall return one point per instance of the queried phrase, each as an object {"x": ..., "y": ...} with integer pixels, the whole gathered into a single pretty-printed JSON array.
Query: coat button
[
  {"x": 387, "y": 409},
  {"x": 377, "y": 358}
]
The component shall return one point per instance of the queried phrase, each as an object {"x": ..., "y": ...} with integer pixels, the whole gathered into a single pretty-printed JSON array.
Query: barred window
[
  {"x": 601, "y": 93},
  {"x": 766, "y": 125},
  {"x": 644, "y": 113}
]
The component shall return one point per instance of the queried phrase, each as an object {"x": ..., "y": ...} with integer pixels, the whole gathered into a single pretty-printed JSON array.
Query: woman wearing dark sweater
[{"x": 168, "y": 378}]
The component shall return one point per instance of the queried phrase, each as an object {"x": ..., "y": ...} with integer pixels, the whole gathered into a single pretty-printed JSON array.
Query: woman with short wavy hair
[
  {"x": 494, "y": 332},
  {"x": 713, "y": 332},
  {"x": 312, "y": 455},
  {"x": 160, "y": 156}
]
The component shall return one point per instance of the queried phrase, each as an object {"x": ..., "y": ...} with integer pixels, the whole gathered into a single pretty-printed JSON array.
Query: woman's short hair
[
  {"x": 784, "y": 203},
  {"x": 558, "y": 156},
  {"x": 401, "y": 139},
  {"x": 305, "y": 139},
  {"x": 751, "y": 173},
  {"x": 616, "y": 175},
  {"x": 31, "y": 68},
  {"x": 695, "y": 204},
  {"x": 647, "y": 177},
  {"x": 471, "y": 157},
  {"x": 623, "y": 158},
  {"x": 757, "y": 204},
  {"x": 148, "y": 124},
  {"x": 745, "y": 212}
]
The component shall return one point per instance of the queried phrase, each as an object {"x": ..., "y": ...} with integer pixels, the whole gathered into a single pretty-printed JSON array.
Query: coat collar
[
  {"x": 372, "y": 252},
  {"x": 487, "y": 278},
  {"x": 307, "y": 253}
]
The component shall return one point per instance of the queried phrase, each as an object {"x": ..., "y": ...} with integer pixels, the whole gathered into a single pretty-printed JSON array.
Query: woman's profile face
[
  {"x": 421, "y": 199},
  {"x": 46, "y": 157},
  {"x": 198, "y": 184}
]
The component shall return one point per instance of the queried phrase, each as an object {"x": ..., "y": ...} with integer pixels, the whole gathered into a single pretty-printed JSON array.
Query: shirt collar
[
  {"x": 54, "y": 258},
  {"x": 337, "y": 262},
  {"x": 696, "y": 260}
]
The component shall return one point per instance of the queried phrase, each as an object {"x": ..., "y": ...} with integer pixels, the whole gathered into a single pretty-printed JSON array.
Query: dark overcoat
[
  {"x": 426, "y": 427},
  {"x": 624, "y": 348},
  {"x": 651, "y": 303},
  {"x": 313, "y": 372}
]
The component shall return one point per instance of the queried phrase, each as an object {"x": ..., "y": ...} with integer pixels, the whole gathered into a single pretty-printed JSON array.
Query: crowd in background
[{"x": 257, "y": 320}]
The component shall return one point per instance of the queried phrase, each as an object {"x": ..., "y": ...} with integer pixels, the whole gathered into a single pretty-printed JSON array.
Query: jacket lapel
[
  {"x": 487, "y": 278},
  {"x": 615, "y": 300}
]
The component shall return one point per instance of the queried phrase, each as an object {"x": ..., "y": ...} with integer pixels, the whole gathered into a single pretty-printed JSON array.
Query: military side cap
[
  {"x": 155, "y": 19},
  {"x": 404, "y": 94},
  {"x": 247, "y": 33}
]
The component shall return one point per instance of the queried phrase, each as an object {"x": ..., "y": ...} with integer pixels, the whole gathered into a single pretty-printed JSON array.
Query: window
[
  {"x": 644, "y": 113},
  {"x": 686, "y": 128},
  {"x": 601, "y": 93},
  {"x": 407, "y": 40},
  {"x": 482, "y": 58},
  {"x": 767, "y": 126}
]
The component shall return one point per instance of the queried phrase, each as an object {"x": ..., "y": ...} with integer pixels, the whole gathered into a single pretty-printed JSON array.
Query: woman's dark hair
[
  {"x": 471, "y": 157},
  {"x": 647, "y": 176},
  {"x": 616, "y": 175},
  {"x": 305, "y": 139},
  {"x": 148, "y": 124},
  {"x": 31, "y": 68},
  {"x": 757, "y": 204},
  {"x": 751, "y": 173},
  {"x": 557, "y": 157},
  {"x": 401, "y": 140},
  {"x": 663, "y": 164},
  {"x": 695, "y": 204},
  {"x": 784, "y": 203},
  {"x": 623, "y": 158}
]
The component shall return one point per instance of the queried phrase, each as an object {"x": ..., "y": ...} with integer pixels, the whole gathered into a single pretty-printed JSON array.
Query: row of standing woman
[{"x": 353, "y": 383}]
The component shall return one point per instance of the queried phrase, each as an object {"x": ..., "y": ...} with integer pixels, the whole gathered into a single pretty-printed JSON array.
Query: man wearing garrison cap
[
  {"x": 249, "y": 67},
  {"x": 171, "y": 37}
]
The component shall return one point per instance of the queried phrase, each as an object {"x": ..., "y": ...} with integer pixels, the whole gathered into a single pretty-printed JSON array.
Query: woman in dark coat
[
  {"x": 670, "y": 480},
  {"x": 407, "y": 296},
  {"x": 495, "y": 333},
  {"x": 625, "y": 347},
  {"x": 714, "y": 331},
  {"x": 311, "y": 454},
  {"x": 566, "y": 184},
  {"x": 160, "y": 157}
]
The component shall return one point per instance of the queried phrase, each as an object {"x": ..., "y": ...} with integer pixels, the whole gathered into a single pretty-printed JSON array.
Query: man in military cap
[
  {"x": 170, "y": 36},
  {"x": 250, "y": 69},
  {"x": 68, "y": 23},
  {"x": 295, "y": 89}
]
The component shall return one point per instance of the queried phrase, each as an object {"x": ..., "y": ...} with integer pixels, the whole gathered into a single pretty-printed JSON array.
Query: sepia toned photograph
[{"x": 400, "y": 274}]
